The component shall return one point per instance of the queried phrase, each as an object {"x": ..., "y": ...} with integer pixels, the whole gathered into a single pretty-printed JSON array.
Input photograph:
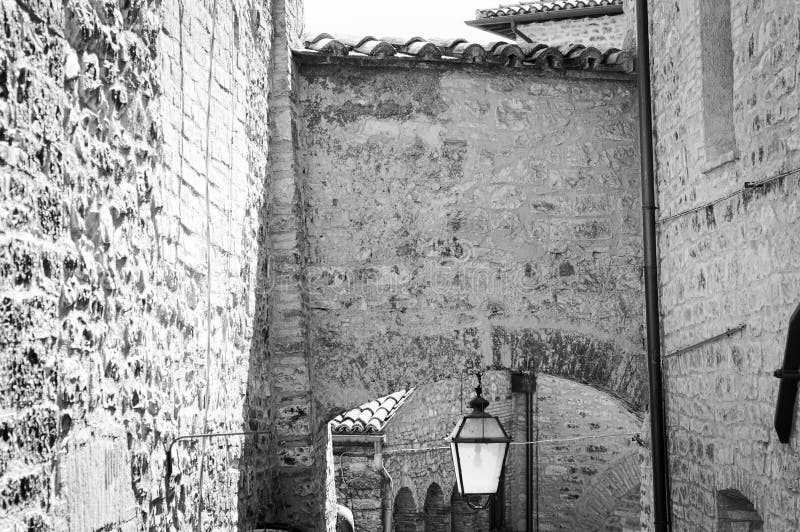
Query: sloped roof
[
  {"x": 533, "y": 55},
  {"x": 501, "y": 20},
  {"x": 372, "y": 416},
  {"x": 573, "y": 7}
]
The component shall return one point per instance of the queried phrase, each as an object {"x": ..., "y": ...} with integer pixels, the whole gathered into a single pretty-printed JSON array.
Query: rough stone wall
[
  {"x": 469, "y": 217},
  {"x": 607, "y": 31},
  {"x": 360, "y": 485},
  {"x": 132, "y": 145},
  {"x": 581, "y": 483},
  {"x": 305, "y": 484},
  {"x": 585, "y": 484},
  {"x": 728, "y": 257}
]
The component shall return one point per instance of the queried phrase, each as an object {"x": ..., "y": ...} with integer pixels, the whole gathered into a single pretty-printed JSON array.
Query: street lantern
[{"x": 479, "y": 445}]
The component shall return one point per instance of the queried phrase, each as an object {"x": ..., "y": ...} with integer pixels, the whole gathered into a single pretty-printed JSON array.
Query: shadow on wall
[{"x": 257, "y": 491}]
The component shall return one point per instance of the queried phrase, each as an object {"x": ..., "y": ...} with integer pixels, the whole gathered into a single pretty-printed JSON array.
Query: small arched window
[{"x": 405, "y": 511}]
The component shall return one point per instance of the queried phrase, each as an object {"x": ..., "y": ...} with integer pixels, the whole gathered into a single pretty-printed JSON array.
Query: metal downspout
[
  {"x": 657, "y": 423},
  {"x": 528, "y": 461},
  {"x": 387, "y": 509}
]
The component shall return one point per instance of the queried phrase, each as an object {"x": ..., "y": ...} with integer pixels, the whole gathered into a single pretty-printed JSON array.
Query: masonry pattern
[
  {"x": 727, "y": 257},
  {"x": 134, "y": 164},
  {"x": 462, "y": 218}
]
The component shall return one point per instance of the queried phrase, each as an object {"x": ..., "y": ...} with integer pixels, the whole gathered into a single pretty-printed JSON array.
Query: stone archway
[
  {"x": 608, "y": 497},
  {"x": 405, "y": 511},
  {"x": 436, "y": 514},
  {"x": 592, "y": 464}
]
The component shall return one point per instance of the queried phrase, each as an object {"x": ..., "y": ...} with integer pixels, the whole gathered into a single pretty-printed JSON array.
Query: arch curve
[
  {"x": 606, "y": 491},
  {"x": 436, "y": 513},
  {"x": 405, "y": 511}
]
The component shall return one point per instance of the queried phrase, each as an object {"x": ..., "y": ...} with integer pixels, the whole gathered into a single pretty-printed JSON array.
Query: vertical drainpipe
[
  {"x": 658, "y": 436},
  {"x": 525, "y": 383},
  {"x": 387, "y": 507}
]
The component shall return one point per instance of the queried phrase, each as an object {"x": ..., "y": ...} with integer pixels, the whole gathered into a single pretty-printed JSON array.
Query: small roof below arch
[{"x": 372, "y": 416}]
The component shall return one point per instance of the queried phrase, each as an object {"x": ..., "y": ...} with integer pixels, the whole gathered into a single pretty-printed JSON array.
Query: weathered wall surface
[
  {"x": 469, "y": 217},
  {"x": 583, "y": 483},
  {"x": 729, "y": 263},
  {"x": 586, "y": 480},
  {"x": 608, "y": 31},
  {"x": 132, "y": 145}
]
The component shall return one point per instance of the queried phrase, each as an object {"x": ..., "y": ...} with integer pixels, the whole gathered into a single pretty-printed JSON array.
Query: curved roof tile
[
  {"x": 527, "y": 8},
  {"x": 537, "y": 55},
  {"x": 372, "y": 416}
]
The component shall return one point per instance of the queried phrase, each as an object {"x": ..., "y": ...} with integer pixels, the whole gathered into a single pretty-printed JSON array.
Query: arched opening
[
  {"x": 584, "y": 478},
  {"x": 464, "y": 518},
  {"x": 735, "y": 513},
  {"x": 436, "y": 513},
  {"x": 405, "y": 511}
]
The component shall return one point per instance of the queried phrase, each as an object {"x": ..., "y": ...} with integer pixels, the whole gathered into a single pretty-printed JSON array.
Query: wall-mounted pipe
[
  {"x": 387, "y": 510},
  {"x": 657, "y": 424},
  {"x": 168, "y": 464}
]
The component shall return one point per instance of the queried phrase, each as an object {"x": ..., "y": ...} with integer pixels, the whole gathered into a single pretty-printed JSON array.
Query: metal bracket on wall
[
  {"x": 168, "y": 465},
  {"x": 729, "y": 332},
  {"x": 789, "y": 374}
]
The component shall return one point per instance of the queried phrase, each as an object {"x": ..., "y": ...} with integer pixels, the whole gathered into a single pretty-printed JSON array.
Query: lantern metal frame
[{"x": 478, "y": 405}]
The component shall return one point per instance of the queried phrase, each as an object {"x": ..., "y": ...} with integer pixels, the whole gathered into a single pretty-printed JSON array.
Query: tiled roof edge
[
  {"x": 354, "y": 421},
  {"x": 535, "y": 55},
  {"x": 566, "y": 8}
]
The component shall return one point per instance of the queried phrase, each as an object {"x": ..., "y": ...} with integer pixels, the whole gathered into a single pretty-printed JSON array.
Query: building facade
[
  {"x": 211, "y": 226},
  {"x": 727, "y": 147}
]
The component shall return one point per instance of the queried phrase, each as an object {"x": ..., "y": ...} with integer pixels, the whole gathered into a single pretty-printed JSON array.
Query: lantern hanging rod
[{"x": 636, "y": 438}]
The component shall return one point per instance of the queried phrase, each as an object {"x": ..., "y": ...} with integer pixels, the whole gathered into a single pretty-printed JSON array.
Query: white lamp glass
[{"x": 479, "y": 446}]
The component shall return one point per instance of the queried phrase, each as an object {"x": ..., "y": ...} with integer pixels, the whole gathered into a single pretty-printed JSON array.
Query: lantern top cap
[{"x": 478, "y": 403}]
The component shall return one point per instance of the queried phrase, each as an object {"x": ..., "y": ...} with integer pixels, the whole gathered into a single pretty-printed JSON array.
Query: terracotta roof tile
[
  {"x": 372, "y": 416},
  {"x": 503, "y": 20},
  {"x": 536, "y": 55},
  {"x": 528, "y": 8}
]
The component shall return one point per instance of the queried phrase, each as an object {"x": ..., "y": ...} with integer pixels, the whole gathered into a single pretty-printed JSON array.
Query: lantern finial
[{"x": 478, "y": 403}]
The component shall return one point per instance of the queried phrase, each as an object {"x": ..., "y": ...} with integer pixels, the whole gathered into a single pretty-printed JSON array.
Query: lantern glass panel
[
  {"x": 481, "y": 465},
  {"x": 455, "y": 467},
  {"x": 481, "y": 427},
  {"x": 478, "y": 461}
]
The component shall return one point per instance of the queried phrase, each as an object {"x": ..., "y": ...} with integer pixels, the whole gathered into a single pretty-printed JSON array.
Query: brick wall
[
  {"x": 132, "y": 142},
  {"x": 726, "y": 259},
  {"x": 468, "y": 217}
]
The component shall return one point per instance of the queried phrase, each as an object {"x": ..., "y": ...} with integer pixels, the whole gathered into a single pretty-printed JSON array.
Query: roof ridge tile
[{"x": 574, "y": 56}]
